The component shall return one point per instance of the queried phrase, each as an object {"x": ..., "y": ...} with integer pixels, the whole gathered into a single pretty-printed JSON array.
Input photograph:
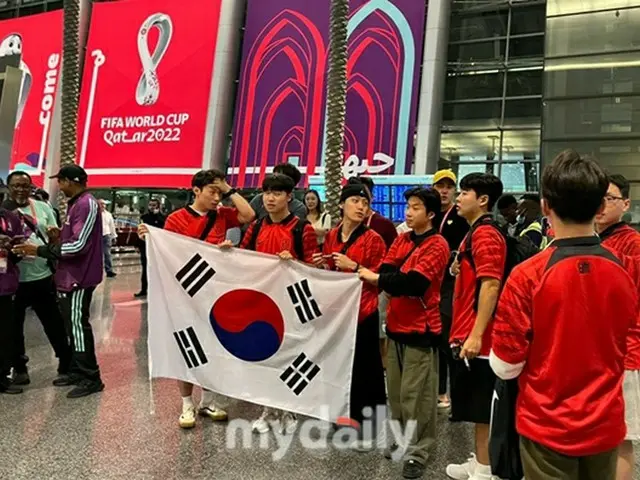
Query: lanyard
[
  {"x": 34, "y": 214},
  {"x": 446, "y": 215}
]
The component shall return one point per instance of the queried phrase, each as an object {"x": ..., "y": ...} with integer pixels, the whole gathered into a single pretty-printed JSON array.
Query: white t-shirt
[
  {"x": 323, "y": 222},
  {"x": 108, "y": 225},
  {"x": 402, "y": 228}
]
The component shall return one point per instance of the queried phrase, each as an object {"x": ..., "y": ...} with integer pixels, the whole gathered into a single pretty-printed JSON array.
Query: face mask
[
  {"x": 520, "y": 219},
  {"x": 153, "y": 210}
]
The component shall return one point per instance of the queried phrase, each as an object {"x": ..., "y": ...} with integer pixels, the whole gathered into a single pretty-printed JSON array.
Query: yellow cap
[{"x": 442, "y": 174}]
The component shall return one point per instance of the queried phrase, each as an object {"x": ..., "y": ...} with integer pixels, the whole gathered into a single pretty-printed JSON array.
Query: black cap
[
  {"x": 355, "y": 190},
  {"x": 74, "y": 173}
]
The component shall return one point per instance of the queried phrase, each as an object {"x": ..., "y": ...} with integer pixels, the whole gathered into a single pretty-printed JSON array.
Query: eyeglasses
[
  {"x": 611, "y": 198},
  {"x": 20, "y": 186}
]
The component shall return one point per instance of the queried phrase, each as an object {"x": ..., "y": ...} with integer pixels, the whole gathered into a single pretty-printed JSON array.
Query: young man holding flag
[
  {"x": 208, "y": 221},
  {"x": 283, "y": 234},
  {"x": 412, "y": 274}
]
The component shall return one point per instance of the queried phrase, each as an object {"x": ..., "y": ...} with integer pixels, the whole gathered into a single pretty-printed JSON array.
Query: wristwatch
[{"x": 229, "y": 193}]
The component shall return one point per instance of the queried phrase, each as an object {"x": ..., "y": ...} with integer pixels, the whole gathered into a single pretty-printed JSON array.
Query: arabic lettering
[{"x": 353, "y": 166}]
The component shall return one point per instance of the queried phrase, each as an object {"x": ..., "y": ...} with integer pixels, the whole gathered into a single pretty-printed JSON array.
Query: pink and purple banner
[{"x": 281, "y": 108}]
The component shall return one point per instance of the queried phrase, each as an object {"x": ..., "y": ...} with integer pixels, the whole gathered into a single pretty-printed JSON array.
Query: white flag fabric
[{"x": 251, "y": 326}]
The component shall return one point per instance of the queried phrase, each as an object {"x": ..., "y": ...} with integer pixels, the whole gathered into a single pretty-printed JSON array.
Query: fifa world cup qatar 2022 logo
[{"x": 148, "y": 89}]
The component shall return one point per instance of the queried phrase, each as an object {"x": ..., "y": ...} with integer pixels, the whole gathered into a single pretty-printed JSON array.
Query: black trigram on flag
[
  {"x": 190, "y": 347},
  {"x": 299, "y": 374},
  {"x": 306, "y": 307},
  {"x": 195, "y": 274}
]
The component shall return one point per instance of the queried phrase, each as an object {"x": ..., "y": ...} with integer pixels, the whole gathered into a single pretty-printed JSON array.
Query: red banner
[
  {"x": 38, "y": 38},
  {"x": 145, "y": 91}
]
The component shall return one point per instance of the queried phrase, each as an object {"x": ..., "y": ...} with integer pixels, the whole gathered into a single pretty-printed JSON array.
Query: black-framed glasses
[{"x": 612, "y": 198}]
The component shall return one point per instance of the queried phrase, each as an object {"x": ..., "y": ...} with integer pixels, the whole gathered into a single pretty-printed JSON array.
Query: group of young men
[
  {"x": 459, "y": 314},
  {"x": 458, "y": 306}
]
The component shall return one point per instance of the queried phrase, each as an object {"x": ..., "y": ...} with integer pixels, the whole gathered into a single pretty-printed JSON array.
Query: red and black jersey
[
  {"x": 565, "y": 314},
  {"x": 190, "y": 223},
  {"x": 489, "y": 252},
  {"x": 625, "y": 240},
  {"x": 367, "y": 250},
  {"x": 274, "y": 238},
  {"x": 408, "y": 315}
]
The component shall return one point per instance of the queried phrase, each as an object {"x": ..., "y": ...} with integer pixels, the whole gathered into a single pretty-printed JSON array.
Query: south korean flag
[{"x": 251, "y": 326}]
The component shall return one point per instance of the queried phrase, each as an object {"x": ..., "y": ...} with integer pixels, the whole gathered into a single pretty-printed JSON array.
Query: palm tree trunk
[
  {"x": 70, "y": 89},
  {"x": 336, "y": 104}
]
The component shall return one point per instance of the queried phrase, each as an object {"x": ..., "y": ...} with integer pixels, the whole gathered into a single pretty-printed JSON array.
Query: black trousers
[
  {"x": 7, "y": 323},
  {"x": 445, "y": 354},
  {"x": 367, "y": 381},
  {"x": 143, "y": 262},
  {"x": 75, "y": 308},
  {"x": 40, "y": 295}
]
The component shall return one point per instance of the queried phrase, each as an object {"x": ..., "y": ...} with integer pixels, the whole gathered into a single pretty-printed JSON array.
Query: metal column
[{"x": 434, "y": 72}]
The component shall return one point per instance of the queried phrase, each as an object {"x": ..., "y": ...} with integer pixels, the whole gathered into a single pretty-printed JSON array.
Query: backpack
[
  {"x": 297, "y": 232},
  {"x": 519, "y": 249}
]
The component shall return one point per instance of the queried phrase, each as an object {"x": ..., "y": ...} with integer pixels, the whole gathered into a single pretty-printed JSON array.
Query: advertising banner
[
  {"x": 37, "y": 39},
  {"x": 281, "y": 110},
  {"x": 145, "y": 91}
]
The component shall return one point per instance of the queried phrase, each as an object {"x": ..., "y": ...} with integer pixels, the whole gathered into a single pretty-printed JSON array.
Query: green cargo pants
[{"x": 412, "y": 384}]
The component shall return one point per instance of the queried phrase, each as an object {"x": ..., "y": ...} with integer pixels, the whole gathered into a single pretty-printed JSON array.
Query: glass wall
[
  {"x": 21, "y": 8},
  {"x": 592, "y": 85},
  {"x": 493, "y": 97}
]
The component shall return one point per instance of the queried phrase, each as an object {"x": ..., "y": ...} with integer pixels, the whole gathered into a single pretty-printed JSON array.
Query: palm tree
[
  {"x": 70, "y": 88},
  {"x": 336, "y": 104}
]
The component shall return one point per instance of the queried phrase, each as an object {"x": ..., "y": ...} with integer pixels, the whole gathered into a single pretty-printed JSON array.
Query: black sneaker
[
  {"x": 413, "y": 469},
  {"x": 21, "y": 378},
  {"x": 65, "y": 380},
  {"x": 86, "y": 388},
  {"x": 111, "y": 275},
  {"x": 140, "y": 294},
  {"x": 9, "y": 389}
]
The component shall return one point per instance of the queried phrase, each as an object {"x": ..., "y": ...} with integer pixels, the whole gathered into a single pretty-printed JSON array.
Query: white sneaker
[
  {"x": 463, "y": 471},
  {"x": 262, "y": 425},
  {"x": 188, "y": 418},
  {"x": 214, "y": 413},
  {"x": 483, "y": 476},
  {"x": 288, "y": 423}
]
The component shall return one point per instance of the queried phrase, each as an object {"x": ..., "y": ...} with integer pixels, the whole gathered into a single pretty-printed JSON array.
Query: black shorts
[{"x": 472, "y": 391}]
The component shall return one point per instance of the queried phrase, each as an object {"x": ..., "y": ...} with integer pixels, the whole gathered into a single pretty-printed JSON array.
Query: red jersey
[
  {"x": 407, "y": 315},
  {"x": 569, "y": 326},
  {"x": 489, "y": 251},
  {"x": 274, "y": 238},
  {"x": 190, "y": 223},
  {"x": 368, "y": 251},
  {"x": 625, "y": 240}
]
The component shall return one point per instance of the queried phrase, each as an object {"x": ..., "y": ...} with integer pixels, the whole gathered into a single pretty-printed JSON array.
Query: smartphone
[{"x": 18, "y": 239}]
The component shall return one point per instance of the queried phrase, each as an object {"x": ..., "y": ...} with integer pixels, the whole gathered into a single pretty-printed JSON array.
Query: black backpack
[
  {"x": 298, "y": 233},
  {"x": 519, "y": 249}
]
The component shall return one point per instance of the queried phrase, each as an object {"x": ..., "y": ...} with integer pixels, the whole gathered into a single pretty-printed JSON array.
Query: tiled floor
[{"x": 114, "y": 435}]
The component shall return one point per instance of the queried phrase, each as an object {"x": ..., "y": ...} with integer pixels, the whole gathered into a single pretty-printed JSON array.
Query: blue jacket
[
  {"x": 10, "y": 226},
  {"x": 79, "y": 252}
]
